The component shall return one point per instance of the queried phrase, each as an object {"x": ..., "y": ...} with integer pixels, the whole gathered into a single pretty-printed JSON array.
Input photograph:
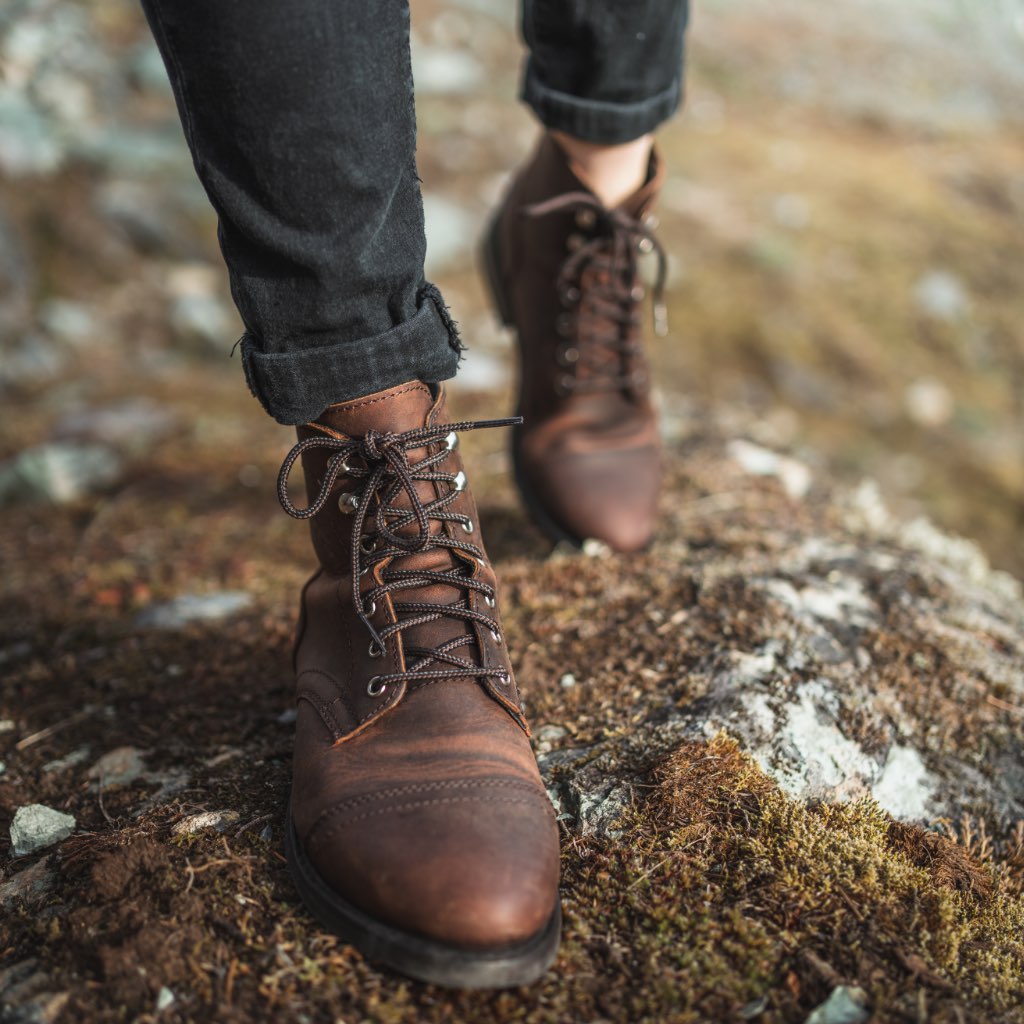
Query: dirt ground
[{"x": 845, "y": 233}]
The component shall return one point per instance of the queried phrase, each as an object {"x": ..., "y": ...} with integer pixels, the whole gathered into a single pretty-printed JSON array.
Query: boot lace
[
  {"x": 389, "y": 476},
  {"x": 598, "y": 285}
]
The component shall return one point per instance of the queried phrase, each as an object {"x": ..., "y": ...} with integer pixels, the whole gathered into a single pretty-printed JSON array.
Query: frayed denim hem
[{"x": 296, "y": 387}]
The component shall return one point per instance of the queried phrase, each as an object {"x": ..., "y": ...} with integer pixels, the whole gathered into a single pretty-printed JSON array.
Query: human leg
[
  {"x": 301, "y": 123},
  {"x": 562, "y": 258},
  {"x": 418, "y": 826}
]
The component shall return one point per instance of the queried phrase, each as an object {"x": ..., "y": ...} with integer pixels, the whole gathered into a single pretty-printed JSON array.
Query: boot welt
[{"x": 413, "y": 955}]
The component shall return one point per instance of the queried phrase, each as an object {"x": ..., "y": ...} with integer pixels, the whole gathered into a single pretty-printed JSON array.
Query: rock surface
[{"x": 37, "y": 826}]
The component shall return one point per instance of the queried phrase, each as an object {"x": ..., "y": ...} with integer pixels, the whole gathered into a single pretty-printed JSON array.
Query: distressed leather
[
  {"x": 422, "y": 806},
  {"x": 590, "y": 457}
]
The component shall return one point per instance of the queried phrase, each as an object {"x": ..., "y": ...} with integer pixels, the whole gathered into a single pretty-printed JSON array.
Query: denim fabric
[
  {"x": 300, "y": 119},
  {"x": 606, "y": 71}
]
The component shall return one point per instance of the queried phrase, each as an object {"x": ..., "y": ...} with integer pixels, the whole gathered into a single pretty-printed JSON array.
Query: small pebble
[
  {"x": 37, "y": 826},
  {"x": 846, "y": 1005},
  {"x": 221, "y": 821},
  {"x": 164, "y": 998},
  {"x": 194, "y": 608},
  {"x": 568, "y": 681}
]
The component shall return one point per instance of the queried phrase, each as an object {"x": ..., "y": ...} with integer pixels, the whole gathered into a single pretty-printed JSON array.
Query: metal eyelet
[
  {"x": 348, "y": 502},
  {"x": 586, "y": 219},
  {"x": 374, "y": 688},
  {"x": 372, "y": 611},
  {"x": 563, "y": 324},
  {"x": 573, "y": 242},
  {"x": 651, "y": 221},
  {"x": 638, "y": 292},
  {"x": 570, "y": 295},
  {"x": 567, "y": 355},
  {"x": 489, "y": 601},
  {"x": 563, "y": 384},
  {"x": 467, "y": 526},
  {"x": 367, "y": 544},
  {"x": 645, "y": 245},
  {"x": 451, "y": 442},
  {"x": 459, "y": 483},
  {"x": 497, "y": 636},
  {"x": 375, "y": 650}
]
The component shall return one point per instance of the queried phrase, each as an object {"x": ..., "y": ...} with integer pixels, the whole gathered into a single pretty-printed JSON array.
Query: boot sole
[
  {"x": 502, "y": 307},
  {"x": 413, "y": 955}
]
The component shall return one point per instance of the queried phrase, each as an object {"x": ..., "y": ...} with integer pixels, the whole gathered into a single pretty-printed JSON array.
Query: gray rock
[
  {"x": 132, "y": 425},
  {"x": 845, "y": 1005},
  {"x": 57, "y": 473},
  {"x": 219, "y": 821},
  {"x": 205, "y": 319},
  {"x": 164, "y": 999},
  {"x": 76, "y": 757},
  {"x": 64, "y": 320},
  {"x": 194, "y": 608},
  {"x": 451, "y": 232},
  {"x": 32, "y": 881},
  {"x": 812, "y": 706},
  {"x": 37, "y": 826},
  {"x": 29, "y": 144},
  {"x": 26, "y": 996},
  {"x": 119, "y": 767},
  {"x": 942, "y": 296},
  {"x": 442, "y": 70}
]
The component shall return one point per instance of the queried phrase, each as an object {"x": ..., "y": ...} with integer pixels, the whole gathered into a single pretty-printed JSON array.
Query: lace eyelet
[
  {"x": 459, "y": 483},
  {"x": 374, "y": 688},
  {"x": 367, "y": 544},
  {"x": 568, "y": 355},
  {"x": 563, "y": 324},
  {"x": 372, "y": 611},
  {"x": 375, "y": 650},
  {"x": 489, "y": 601},
  {"x": 451, "y": 442},
  {"x": 651, "y": 221},
  {"x": 638, "y": 292},
  {"x": 573, "y": 242},
  {"x": 467, "y": 526},
  {"x": 348, "y": 502},
  {"x": 645, "y": 245},
  {"x": 564, "y": 384},
  {"x": 570, "y": 296},
  {"x": 497, "y": 636}
]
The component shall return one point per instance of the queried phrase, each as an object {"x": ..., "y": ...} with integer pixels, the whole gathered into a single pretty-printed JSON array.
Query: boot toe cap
[{"x": 472, "y": 873}]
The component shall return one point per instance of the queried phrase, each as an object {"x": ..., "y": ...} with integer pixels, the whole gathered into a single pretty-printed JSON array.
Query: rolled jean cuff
[
  {"x": 296, "y": 387},
  {"x": 598, "y": 121}
]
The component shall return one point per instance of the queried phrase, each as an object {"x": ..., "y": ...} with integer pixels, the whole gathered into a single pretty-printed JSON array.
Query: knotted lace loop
[{"x": 390, "y": 489}]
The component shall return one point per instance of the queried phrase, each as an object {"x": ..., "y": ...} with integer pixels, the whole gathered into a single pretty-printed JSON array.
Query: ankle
[{"x": 612, "y": 173}]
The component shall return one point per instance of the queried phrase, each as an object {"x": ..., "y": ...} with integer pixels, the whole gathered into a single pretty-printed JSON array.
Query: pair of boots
[{"x": 419, "y": 828}]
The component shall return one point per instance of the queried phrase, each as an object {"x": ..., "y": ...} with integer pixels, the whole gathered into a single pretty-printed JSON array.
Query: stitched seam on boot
[
  {"x": 340, "y": 698},
  {"x": 327, "y": 830}
]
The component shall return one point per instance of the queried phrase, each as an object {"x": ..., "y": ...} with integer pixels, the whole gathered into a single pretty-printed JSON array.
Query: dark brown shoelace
[
  {"x": 603, "y": 318},
  {"x": 388, "y": 475}
]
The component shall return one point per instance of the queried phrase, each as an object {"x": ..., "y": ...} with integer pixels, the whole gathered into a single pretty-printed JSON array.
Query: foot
[
  {"x": 419, "y": 828},
  {"x": 563, "y": 269}
]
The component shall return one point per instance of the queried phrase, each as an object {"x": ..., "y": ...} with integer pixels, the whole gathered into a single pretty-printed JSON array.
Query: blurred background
[{"x": 844, "y": 213}]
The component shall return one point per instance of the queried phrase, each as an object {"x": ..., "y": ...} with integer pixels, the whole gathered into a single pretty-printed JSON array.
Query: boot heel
[{"x": 492, "y": 274}]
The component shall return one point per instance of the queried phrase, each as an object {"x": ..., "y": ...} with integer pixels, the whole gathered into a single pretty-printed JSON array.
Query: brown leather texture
[
  {"x": 422, "y": 805},
  {"x": 588, "y": 453}
]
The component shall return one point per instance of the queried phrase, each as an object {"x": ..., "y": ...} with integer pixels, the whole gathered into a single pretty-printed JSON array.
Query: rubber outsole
[{"x": 413, "y": 955}]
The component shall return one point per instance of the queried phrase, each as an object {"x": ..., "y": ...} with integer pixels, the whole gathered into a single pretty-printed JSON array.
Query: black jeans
[{"x": 301, "y": 122}]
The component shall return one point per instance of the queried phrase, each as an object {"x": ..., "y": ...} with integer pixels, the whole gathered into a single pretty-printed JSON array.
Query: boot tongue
[{"x": 395, "y": 411}]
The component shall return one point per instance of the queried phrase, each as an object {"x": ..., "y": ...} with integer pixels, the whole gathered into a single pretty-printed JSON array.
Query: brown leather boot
[
  {"x": 563, "y": 272},
  {"x": 419, "y": 828}
]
